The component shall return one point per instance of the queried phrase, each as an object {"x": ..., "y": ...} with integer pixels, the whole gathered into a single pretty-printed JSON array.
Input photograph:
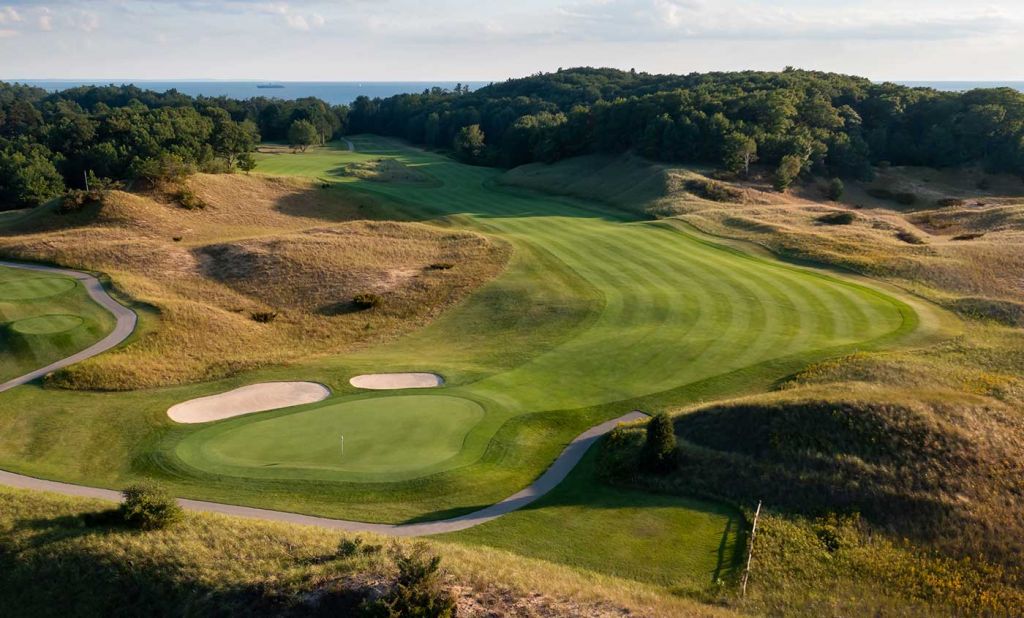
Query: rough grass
[
  {"x": 58, "y": 557},
  {"x": 262, "y": 246},
  {"x": 386, "y": 170}
]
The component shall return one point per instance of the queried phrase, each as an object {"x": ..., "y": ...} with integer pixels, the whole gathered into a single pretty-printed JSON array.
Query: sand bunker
[
  {"x": 247, "y": 400},
  {"x": 391, "y": 381}
]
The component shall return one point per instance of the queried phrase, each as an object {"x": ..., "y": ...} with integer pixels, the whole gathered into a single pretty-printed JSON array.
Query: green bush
[
  {"x": 263, "y": 317},
  {"x": 366, "y": 301},
  {"x": 713, "y": 190},
  {"x": 659, "y": 453},
  {"x": 835, "y": 189},
  {"x": 188, "y": 200},
  {"x": 837, "y": 218},
  {"x": 149, "y": 507},
  {"x": 355, "y": 546},
  {"x": 418, "y": 591},
  {"x": 909, "y": 237}
]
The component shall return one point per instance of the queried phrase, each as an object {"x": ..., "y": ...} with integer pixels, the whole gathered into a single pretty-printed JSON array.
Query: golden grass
[
  {"x": 216, "y": 562},
  {"x": 262, "y": 246}
]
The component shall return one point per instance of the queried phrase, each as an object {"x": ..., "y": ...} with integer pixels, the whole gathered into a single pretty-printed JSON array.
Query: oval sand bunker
[
  {"x": 394, "y": 381},
  {"x": 247, "y": 400}
]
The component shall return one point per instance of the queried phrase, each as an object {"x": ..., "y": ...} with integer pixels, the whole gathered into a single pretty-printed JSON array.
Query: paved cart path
[{"x": 126, "y": 320}]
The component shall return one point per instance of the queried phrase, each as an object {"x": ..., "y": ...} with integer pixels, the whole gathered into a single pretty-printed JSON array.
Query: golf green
[
  {"x": 45, "y": 317},
  {"x": 366, "y": 437},
  {"x": 34, "y": 287},
  {"x": 47, "y": 324}
]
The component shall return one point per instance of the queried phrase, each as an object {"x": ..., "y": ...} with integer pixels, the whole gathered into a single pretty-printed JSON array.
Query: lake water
[
  {"x": 953, "y": 86},
  {"x": 332, "y": 92},
  {"x": 346, "y": 92}
]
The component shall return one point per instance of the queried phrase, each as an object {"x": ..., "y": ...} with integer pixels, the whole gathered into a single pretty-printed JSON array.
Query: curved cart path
[
  {"x": 554, "y": 475},
  {"x": 126, "y": 320}
]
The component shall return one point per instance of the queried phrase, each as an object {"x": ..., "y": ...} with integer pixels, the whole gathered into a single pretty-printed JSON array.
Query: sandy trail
[
  {"x": 393, "y": 381},
  {"x": 248, "y": 400}
]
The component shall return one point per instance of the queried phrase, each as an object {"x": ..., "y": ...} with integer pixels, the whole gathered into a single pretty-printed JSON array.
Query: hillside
[
  {"x": 57, "y": 556},
  {"x": 264, "y": 272}
]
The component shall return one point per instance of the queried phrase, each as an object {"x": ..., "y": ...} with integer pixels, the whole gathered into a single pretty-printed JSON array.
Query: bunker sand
[
  {"x": 248, "y": 400},
  {"x": 393, "y": 381}
]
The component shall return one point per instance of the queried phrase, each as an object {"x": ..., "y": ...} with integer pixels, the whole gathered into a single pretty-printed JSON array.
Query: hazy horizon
[{"x": 456, "y": 40}]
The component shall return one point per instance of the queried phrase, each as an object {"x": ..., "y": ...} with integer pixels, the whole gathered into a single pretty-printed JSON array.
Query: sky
[{"x": 484, "y": 40}]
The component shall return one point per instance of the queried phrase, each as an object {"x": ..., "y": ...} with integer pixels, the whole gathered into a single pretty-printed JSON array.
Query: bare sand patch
[
  {"x": 247, "y": 400},
  {"x": 392, "y": 381}
]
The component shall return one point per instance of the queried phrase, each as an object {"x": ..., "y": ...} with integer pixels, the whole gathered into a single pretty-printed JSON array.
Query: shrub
[
  {"x": 837, "y": 218},
  {"x": 188, "y": 200},
  {"x": 263, "y": 317},
  {"x": 909, "y": 237},
  {"x": 659, "y": 450},
  {"x": 906, "y": 198},
  {"x": 946, "y": 202},
  {"x": 149, "y": 507},
  {"x": 366, "y": 301},
  {"x": 835, "y": 189},
  {"x": 713, "y": 190},
  {"x": 355, "y": 546},
  {"x": 418, "y": 590},
  {"x": 969, "y": 236},
  {"x": 441, "y": 266},
  {"x": 882, "y": 194}
]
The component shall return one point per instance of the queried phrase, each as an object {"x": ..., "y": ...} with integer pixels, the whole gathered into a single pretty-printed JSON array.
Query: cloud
[
  {"x": 9, "y": 15},
  {"x": 86, "y": 21},
  {"x": 45, "y": 20}
]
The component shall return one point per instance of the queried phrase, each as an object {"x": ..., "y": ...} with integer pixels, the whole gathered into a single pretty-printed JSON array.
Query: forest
[{"x": 798, "y": 122}]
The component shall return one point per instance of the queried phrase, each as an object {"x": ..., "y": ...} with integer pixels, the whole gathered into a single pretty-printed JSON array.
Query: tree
[
  {"x": 835, "y": 189},
  {"x": 28, "y": 177},
  {"x": 469, "y": 143},
  {"x": 660, "y": 447},
  {"x": 788, "y": 170},
  {"x": 302, "y": 134},
  {"x": 738, "y": 152},
  {"x": 246, "y": 162}
]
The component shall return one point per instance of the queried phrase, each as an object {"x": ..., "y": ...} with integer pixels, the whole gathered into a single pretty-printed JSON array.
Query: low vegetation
[
  {"x": 288, "y": 255},
  {"x": 58, "y": 555}
]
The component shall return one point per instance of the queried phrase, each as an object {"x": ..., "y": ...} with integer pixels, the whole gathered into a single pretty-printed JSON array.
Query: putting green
[
  {"x": 363, "y": 438},
  {"x": 45, "y": 318},
  {"x": 35, "y": 287},
  {"x": 47, "y": 324}
]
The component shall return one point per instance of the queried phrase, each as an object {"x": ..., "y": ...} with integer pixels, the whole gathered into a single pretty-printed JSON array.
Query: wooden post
[{"x": 750, "y": 553}]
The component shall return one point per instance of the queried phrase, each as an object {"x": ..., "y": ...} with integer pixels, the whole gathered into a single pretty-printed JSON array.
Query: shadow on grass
[{"x": 60, "y": 567}]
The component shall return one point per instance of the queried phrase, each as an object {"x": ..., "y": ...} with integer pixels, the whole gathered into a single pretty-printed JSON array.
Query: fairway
[
  {"x": 44, "y": 318},
  {"x": 47, "y": 324},
  {"x": 663, "y": 309},
  {"x": 368, "y": 437}
]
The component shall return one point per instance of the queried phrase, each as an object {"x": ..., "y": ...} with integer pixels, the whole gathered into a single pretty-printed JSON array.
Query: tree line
[
  {"x": 797, "y": 121},
  {"x": 51, "y": 142}
]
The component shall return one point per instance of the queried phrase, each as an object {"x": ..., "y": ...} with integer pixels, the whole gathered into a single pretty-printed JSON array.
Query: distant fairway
[
  {"x": 33, "y": 286},
  {"x": 44, "y": 318},
  {"x": 47, "y": 324}
]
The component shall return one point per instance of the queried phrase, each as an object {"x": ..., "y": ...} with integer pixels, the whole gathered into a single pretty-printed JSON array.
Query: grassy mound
[
  {"x": 61, "y": 556},
  {"x": 937, "y": 470},
  {"x": 262, "y": 247}
]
